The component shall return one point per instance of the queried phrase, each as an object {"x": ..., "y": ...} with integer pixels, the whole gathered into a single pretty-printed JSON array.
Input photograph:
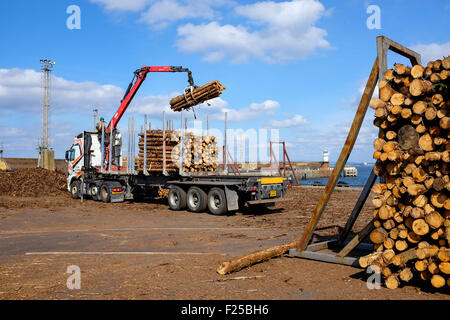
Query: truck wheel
[
  {"x": 75, "y": 189},
  {"x": 196, "y": 199},
  {"x": 176, "y": 198},
  {"x": 104, "y": 194},
  {"x": 94, "y": 192},
  {"x": 217, "y": 203}
]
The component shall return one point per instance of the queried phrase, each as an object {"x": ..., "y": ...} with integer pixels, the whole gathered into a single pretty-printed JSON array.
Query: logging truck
[{"x": 96, "y": 170}]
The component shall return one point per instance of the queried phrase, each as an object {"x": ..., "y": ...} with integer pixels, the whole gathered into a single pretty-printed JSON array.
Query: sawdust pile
[{"x": 34, "y": 182}]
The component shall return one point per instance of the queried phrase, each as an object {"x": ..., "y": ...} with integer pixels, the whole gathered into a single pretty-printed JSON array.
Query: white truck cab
[{"x": 86, "y": 151}]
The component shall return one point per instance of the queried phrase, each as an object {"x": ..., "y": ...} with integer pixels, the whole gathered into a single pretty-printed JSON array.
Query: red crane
[{"x": 133, "y": 87}]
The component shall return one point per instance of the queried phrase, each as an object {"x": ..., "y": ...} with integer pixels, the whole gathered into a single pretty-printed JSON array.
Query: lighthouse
[{"x": 326, "y": 156}]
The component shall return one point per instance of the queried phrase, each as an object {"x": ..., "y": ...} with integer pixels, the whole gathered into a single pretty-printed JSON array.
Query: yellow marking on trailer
[
  {"x": 271, "y": 180},
  {"x": 273, "y": 193}
]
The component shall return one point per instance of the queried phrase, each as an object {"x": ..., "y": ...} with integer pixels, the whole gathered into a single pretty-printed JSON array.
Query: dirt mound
[{"x": 32, "y": 183}]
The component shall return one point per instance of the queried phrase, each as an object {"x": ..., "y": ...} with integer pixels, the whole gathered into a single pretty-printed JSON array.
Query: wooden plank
[{"x": 343, "y": 157}]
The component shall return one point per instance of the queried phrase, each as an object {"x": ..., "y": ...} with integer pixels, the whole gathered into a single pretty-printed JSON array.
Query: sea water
[{"x": 363, "y": 174}]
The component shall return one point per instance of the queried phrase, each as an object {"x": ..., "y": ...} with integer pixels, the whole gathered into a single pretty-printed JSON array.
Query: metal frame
[
  {"x": 312, "y": 251},
  {"x": 233, "y": 164},
  {"x": 145, "y": 146},
  {"x": 285, "y": 157}
]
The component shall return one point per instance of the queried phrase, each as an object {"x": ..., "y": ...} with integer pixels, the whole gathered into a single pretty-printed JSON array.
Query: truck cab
[{"x": 86, "y": 153}]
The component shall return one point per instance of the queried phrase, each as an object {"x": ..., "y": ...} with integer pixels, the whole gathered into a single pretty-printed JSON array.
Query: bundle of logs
[
  {"x": 412, "y": 216},
  {"x": 199, "y": 152},
  {"x": 197, "y": 95}
]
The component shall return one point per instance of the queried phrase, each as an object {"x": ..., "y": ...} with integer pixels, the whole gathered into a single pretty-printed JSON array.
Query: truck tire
[
  {"x": 75, "y": 189},
  {"x": 176, "y": 198},
  {"x": 217, "y": 202},
  {"x": 104, "y": 193},
  {"x": 197, "y": 199},
  {"x": 94, "y": 192}
]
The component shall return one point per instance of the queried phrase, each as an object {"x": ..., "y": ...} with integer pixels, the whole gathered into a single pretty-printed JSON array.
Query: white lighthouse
[{"x": 326, "y": 156}]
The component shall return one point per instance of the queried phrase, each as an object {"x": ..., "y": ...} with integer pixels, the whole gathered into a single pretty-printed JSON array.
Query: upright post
[
  {"x": 225, "y": 144},
  {"x": 180, "y": 170},
  {"x": 111, "y": 134},
  {"x": 103, "y": 148},
  {"x": 133, "y": 147},
  {"x": 346, "y": 150},
  {"x": 164, "y": 143},
  {"x": 145, "y": 144}
]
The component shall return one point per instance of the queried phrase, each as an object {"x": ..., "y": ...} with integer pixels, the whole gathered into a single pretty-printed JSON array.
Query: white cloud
[
  {"x": 163, "y": 12},
  {"x": 254, "y": 110},
  {"x": 295, "y": 121},
  {"x": 284, "y": 31},
  {"x": 432, "y": 51},
  {"x": 121, "y": 5},
  {"x": 153, "y": 105},
  {"x": 20, "y": 90}
]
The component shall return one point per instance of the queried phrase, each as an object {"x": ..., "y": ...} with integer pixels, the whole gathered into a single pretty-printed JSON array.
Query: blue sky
[{"x": 295, "y": 66}]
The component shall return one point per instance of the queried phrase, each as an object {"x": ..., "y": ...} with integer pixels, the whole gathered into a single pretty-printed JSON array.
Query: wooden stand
[{"x": 312, "y": 251}]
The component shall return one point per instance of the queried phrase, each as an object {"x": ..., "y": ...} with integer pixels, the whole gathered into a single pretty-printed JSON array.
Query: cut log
[
  {"x": 437, "y": 281},
  {"x": 445, "y": 123},
  {"x": 378, "y": 235},
  {"x": 430, "y": 113},
  {"x": 377, "y": 103},
  {"x": 438, "y": 199},
  {"x": 392, "y": 282},
  {"x": 444, "y": 267},
  {"x": 386, "y": 93},
  {"x": 419, "y": 87},
  {"x": 402, "y": 258},
  {"x": 420, "y": 201},
  {"x": 408, "y": 138},
  {"x": 248, "y": 260},
  {"x": 420, "y": 227},
  {"x": 401, "y": 245},
  {"x": 446, "y": 63},
  {"x": 426, "y": 142},
  {"x": 436, "y": 99},
  {"x": 427, "y": 252},
  {"x": 366, "y": 261},
  {"x": 421, "y": 265},
  {"x": 417, "y": 71},
  {"x": 406, "y": 274},
  {"x": 397, "y": 99},
  {"x": 434, "y": 220}
]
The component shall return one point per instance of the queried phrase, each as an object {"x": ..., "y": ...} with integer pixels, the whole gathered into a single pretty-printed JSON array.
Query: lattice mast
[{"x": 46, "y": 68}]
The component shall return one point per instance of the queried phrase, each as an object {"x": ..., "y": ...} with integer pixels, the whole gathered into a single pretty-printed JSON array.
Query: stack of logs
[
  {"x": 197, "y": 95},
  {"x": 412, "y": 215},
  {"x": 199, "y": 152}
]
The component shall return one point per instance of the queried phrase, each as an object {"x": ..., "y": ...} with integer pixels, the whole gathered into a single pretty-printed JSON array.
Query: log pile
[
  {"x": 412, "y": 216},
  {"x": 199, "y": 152},
  {"x": 197, "y": 95}
]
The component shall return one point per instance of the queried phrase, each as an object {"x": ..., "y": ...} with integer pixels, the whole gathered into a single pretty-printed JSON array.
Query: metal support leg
[
  {"x": 358, "y": 206},
  {"x": 145, "y": 146}
]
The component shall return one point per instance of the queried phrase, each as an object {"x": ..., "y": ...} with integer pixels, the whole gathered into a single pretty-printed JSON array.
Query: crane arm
[{"x": 135, "y": 84}]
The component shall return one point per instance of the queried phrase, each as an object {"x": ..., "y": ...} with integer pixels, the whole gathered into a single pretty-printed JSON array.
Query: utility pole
[{"x": 95, "y": 115}]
